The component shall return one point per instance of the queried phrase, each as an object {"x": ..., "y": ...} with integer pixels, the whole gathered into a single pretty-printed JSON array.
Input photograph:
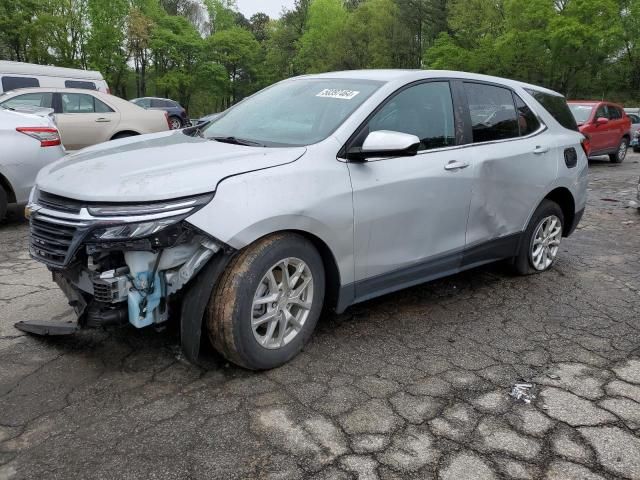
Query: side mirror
[
  {"x": 601, "y": 120},
  {"x": 386, "y": 143}
]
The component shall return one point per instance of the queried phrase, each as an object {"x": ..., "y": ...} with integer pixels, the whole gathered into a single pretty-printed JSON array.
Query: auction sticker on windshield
[{"x": 337, "y": 93}]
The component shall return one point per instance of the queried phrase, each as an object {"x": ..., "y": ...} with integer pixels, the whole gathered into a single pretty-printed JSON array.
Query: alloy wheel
[
  {"x": 546, "y": 242},
  {"x": 281, "y": 303},
  {"x": 622, "y": 151},
  {"x": 175, "y": 124}
]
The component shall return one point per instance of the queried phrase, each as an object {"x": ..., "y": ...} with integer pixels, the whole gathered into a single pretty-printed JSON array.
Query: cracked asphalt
[{"x": 411, "y": 385}]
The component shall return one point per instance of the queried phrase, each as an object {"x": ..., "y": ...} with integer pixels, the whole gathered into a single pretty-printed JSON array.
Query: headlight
[{"x": 134, "y": 230}]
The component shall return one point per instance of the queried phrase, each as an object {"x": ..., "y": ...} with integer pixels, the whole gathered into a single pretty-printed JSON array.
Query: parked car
[
  {"x": 14, "y": 75},
  {"x": 178, "y": 117},
  {"x": 88, "y": 117},
  {"x": 606, "y": 126},
  {"x": 321, "y": 191},
  {"x": 29, "y": 142},
  {"x": 635, "y": 131}
]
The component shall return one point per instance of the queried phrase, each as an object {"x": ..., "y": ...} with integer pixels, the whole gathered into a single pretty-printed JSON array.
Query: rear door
[
  {"x": 411, "y": 212},
  {"x": 515, "y": 159},
  {"x": 84, "y": 120}
]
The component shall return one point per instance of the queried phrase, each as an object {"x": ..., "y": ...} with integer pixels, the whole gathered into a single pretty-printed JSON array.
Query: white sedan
[
  {"x": 88, "y": 117},
  {"x": 29, "y": 142}
]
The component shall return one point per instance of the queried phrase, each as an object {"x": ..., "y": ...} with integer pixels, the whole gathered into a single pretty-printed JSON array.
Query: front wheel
[
  {"x": 621, "y": 153},
  {"x": 268, "y": 301},
  {"x": 541, "y": 241}
]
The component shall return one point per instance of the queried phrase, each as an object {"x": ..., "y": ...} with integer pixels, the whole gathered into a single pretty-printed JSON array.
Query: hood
[{"x": 155, "y": 167}]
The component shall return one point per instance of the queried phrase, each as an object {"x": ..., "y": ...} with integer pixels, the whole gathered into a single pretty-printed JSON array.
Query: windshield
[
  {"x": 581, "y": 112},
  {"x": 294, "y": 113}
]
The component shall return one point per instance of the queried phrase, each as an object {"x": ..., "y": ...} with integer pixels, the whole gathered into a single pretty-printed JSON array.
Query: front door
[
  {"x": 84, "y": 120},
  {"x": 411, "y": 212}
]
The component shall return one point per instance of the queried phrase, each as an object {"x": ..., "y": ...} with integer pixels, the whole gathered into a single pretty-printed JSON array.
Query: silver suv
[{"x": 319, "y": 191}]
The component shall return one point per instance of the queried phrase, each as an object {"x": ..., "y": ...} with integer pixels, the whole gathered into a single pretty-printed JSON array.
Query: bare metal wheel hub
[
  {"x": 281, "y": 303},
  {"x": 546, "y": 242}
]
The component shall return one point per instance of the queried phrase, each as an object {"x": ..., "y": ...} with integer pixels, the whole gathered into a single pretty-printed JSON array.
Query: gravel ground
[{"x": 411, "y": 385}]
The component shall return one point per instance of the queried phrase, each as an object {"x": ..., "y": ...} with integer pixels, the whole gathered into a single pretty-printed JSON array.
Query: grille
[
  {"x": 102, "y": 292},
  {"x": 55, "y": 202},
  {"x": 50, "y": 242}
]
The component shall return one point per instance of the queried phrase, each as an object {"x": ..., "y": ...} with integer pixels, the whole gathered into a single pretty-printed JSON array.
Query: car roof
[
  {"x": 56, "y": 89},
  {"x": 8, "y": 67},
  {"x": 407, "y": 76}
]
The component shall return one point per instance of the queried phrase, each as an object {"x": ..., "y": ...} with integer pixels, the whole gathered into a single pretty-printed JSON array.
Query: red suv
[{"x": 606, "y": 127}]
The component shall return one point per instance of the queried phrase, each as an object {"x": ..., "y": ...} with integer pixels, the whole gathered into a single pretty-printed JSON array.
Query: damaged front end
[{"x": 119, "y": 262}]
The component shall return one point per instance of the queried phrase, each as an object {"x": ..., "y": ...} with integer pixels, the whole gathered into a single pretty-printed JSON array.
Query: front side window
[
  {"x": 602, "y": 112},
  {"x": 142, "y": 102},
  {"x": 40, "y": 99},
  {"x": 493, "y": 114},
  {"x": 424, "y": 110},
  {"x": 293, "y": 113},
  {"x": 11, "y": 83}
]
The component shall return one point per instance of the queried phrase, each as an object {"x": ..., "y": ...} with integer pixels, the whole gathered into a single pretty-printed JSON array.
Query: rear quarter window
[
  {"x": 11, "y": 83},
  {"x": 556, "y": 106}
]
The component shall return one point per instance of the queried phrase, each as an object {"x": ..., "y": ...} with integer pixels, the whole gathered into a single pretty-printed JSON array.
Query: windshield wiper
[{"x": 237, "y": 141}]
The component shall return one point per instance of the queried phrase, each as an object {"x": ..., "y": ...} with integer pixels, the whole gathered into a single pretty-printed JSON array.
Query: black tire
[
  {"x": 120, "y": 135},
  {"x": 621, "y": 153},
  {"x": 229, "y": 312},
  {"x": 523, "y": 262},
  {"x": 175, "y": 123},
  {"x": 3, "y": 203}
]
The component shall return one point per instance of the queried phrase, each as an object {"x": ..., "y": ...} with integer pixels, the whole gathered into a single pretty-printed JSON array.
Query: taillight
[
  {"x": 166, "y": 117},
  {"x": 48, "y": 137},
  {"x": 586, "y": 146}
]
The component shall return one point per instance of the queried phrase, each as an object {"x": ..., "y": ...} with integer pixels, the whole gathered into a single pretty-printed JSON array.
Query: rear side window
[
  {"x": 40, "y": 99},
  {"x": 11, "y": 83},
  {"x": 557, "y": 107},
  {"x": 81, "y": 103},
  {"x": 80, "y": 84},
  {"x": 527, "y": 120},
  {"x": 493, "y": 114},
  {"x": 157, "y": 103}
]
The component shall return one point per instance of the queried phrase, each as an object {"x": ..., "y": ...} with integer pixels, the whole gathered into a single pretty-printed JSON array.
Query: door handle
[
  {"x": 540, "y": 150},
  {"x": 455, "y": 165},
  {"x": 102, "y": 120}
]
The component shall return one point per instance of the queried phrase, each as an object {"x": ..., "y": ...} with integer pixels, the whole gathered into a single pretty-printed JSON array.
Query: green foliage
[{"x": 208, "y": 56}]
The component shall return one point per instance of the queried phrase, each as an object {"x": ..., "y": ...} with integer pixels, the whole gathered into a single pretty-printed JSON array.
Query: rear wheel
[
  {"x": 268, "y": 301},
  {"x": 541, "y": 241},
  {"x": 621, "y": 153},
  {"x": 175, "y": 123},
  {"x": 3, "y": 203}
]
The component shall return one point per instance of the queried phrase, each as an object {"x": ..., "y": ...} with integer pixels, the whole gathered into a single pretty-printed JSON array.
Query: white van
[{"x": 23, "y": 75}]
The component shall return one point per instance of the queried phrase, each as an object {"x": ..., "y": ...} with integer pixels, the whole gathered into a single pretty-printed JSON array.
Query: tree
[
  {"x": 322, "y": 44},
  {"x": 237, "y": 51}
]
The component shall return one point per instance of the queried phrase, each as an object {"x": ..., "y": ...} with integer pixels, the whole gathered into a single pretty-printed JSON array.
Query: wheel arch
[
  {"x": 129, "y": 132},
  {"x": 564, "y": 198},
  {"x": 6, "y": 186}
]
